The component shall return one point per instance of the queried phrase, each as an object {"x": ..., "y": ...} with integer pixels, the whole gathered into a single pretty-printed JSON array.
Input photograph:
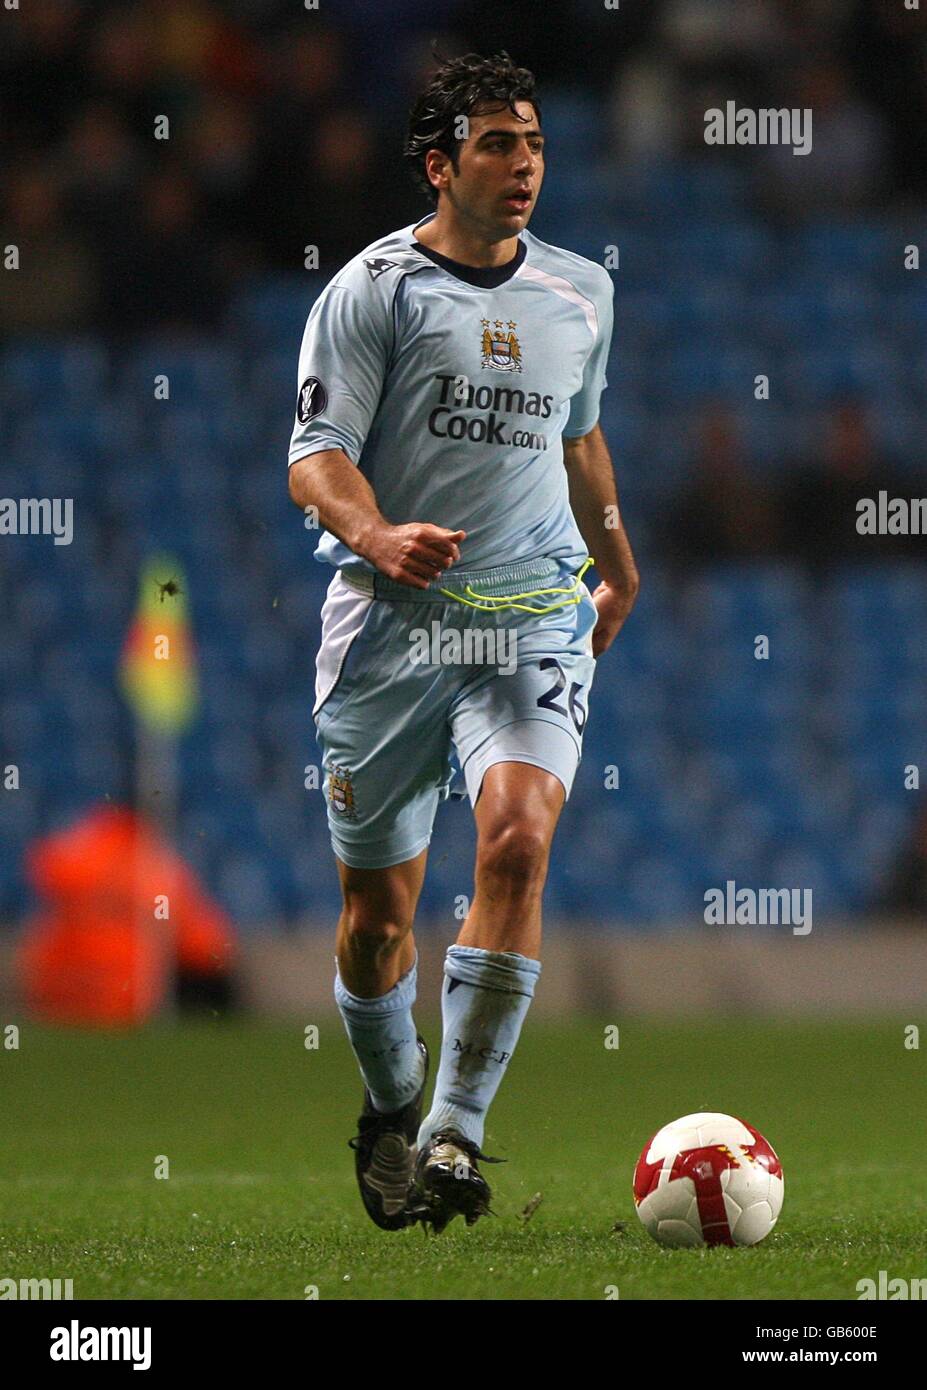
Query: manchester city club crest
[
  {"x": 501, "y": 349},
  {"x": 341, "y": 792}
]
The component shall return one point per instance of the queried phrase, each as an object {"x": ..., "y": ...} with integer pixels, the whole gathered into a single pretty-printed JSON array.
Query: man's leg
[
  {"x": 491, "y": 972},
  {"x": 381, "y": 726},
  {"x": 516, "y": 816},
  {"x": 375, "y": 984},
  {"x": 518, "y": 736},
  {"x": 375, "y": 991}
]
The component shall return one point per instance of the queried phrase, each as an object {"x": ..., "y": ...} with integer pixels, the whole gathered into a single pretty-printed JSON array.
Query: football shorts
[{"x": 406, "y": 679}]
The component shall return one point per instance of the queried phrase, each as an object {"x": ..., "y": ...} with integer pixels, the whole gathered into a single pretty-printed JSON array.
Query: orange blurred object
[{"x": 122, "y": 915}]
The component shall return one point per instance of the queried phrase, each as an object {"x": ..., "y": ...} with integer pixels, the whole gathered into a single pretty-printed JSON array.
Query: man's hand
[
  {"x": 345, "y": 505},
  {"x": 414, "y": 554},
  {"x": 614, "y": 605}
]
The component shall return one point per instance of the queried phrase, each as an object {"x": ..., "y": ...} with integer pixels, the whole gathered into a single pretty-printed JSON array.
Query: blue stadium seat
[
  {"x": 273, "y": 314},
  {"x": 43, "y": 372}
]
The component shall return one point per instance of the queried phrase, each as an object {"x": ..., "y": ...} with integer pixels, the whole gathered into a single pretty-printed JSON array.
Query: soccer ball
[{"x": 708, "y": 1179}]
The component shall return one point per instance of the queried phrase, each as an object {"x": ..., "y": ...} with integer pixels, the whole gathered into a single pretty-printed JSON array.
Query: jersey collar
[{"x": 483, "y": 277}]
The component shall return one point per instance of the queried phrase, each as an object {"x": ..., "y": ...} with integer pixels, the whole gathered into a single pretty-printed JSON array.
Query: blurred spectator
[
  {"x": 224, "y": 160},
  {"x": 42, "y": 73},
  {"x": 556, "y": 50},
  {"x": 724, "y": 512},
  {"x": 340, "y": 193},
  {"x": 199, "y": 46},
  {"x": 124, "y": 68},
  {"x": 718, "y": 31},
  {"x": 162, "y": 273},
  {"x": 906, "y": 890},
  {"x": 820, "y": 501},
  {"x": 349, "y": 194},
  {"x": 54, "y": 289},
  {"x": 846, "y": 166},
  {"x": 646, "y": 115},
  {"x": 101, "y": 167},
  {"x": 887, "y": 51},
  {"x": 304, "y": 77}
]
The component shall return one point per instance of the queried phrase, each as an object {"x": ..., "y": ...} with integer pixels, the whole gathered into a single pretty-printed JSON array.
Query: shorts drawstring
[{"x": 496, "y": 603}]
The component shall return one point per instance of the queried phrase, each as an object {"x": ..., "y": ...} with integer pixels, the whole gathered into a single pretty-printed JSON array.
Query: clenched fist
[{"x": 414, "y": 554}]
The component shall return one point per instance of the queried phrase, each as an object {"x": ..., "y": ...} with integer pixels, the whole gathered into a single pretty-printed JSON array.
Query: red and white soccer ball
[{"x": 708, "y": 1179}]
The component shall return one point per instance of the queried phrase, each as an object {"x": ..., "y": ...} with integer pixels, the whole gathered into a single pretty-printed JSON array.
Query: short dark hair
[{"x": 461, "y": 87}]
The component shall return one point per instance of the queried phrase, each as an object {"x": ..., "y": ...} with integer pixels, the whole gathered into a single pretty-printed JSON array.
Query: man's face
[{"x": 501, "y": 167}]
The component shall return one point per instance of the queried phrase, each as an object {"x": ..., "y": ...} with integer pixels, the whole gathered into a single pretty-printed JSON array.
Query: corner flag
[{"x": 157, "y": 670}]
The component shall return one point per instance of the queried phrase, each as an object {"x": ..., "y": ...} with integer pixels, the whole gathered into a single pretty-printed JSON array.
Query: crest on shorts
[
  {"x": 341, "y": 792},
  {"x": 501, "y": 348}
]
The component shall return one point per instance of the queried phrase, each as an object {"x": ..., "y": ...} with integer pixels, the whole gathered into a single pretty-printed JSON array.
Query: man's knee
[
  {"x": 516, "y": 850},
  {"x": 378, "y": 910},
  {"x": 372, "y": 934}
]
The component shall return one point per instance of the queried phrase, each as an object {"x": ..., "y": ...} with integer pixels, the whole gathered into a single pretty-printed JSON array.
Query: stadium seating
[{"x": 780, "y": 771}]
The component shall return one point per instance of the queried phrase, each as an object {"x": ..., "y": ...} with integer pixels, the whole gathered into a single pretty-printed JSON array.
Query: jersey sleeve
[
  {"x": 342, "y": 367},
  {"x": 584, "y": 406}
]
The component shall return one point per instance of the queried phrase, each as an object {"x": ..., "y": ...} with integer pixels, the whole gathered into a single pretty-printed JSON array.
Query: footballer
[{"x": 447, "y": 433}]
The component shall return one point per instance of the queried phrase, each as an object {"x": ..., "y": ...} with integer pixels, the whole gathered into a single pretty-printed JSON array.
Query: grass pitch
[{"x": 261, "y": 1201}]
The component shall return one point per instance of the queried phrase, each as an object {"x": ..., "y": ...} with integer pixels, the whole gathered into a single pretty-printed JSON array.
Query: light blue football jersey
[{"x": 453, "y": 397}]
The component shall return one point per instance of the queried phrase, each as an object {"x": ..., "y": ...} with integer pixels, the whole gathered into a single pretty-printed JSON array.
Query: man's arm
[
  {"x": 413, "y": 554},
  {"x": 594, "y": 502}
]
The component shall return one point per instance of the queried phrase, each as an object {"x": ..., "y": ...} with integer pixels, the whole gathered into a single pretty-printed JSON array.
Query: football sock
[
  {"x": 383, "y": 1037},
  {"x": 483, "y": 1005}
]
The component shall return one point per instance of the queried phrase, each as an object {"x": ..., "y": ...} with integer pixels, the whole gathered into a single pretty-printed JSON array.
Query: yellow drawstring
[{"x": 494, "y": 603}]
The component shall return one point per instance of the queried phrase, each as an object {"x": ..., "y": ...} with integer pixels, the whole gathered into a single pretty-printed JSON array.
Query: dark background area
[{"x": 185, "y": 256}]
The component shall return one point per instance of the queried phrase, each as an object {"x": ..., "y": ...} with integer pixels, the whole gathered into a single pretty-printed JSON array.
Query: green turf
[{"x": 261, "y": 1202}]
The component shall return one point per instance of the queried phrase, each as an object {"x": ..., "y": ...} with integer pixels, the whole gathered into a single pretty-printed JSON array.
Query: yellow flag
[{"x": 158, "y": 670}]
